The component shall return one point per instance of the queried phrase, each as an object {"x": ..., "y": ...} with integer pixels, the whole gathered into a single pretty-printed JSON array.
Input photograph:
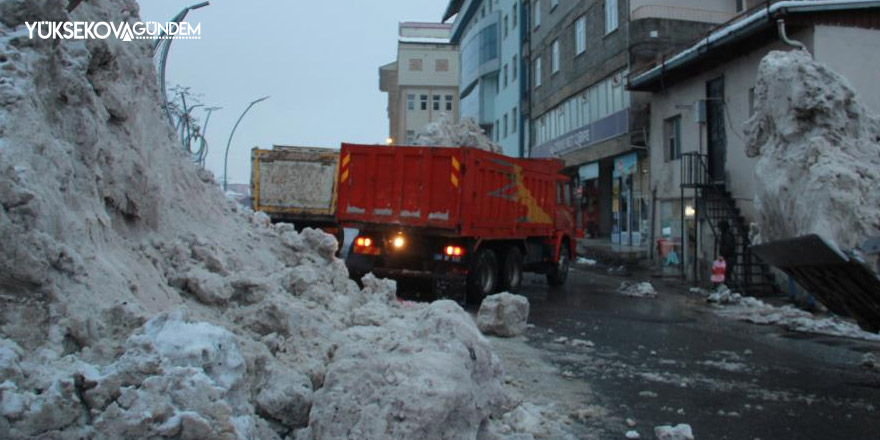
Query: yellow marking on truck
[
  {"x": 344, "y": 176},
  {"x": 455, "y": 164},
  {"x": 454, "y": 180},
  {"x": 346, "y": 159},
  {"x": 534, "y": 213}
]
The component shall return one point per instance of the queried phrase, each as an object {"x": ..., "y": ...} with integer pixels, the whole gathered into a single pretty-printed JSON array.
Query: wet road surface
[{"x": 671, "y": 360}]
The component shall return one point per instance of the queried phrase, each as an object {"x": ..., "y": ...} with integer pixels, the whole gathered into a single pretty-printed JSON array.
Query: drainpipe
[{"x": 780, "y": 26}]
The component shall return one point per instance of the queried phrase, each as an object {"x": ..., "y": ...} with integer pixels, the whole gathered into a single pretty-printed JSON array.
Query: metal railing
[{"x": 694, "y": 170}]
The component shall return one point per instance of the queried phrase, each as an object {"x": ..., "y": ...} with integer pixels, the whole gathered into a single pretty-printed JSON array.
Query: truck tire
[
  {"x": 482, "y": 276},
  {"x": 510, "y": 274},
  {"x": 558, "y": 273}
]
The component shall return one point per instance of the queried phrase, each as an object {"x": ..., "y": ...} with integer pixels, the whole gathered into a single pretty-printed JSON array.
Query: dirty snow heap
[
  {"x": 818, "y": 170},
  {"x": 464, "y": 133},
  {"x": 137, "y": 302}
]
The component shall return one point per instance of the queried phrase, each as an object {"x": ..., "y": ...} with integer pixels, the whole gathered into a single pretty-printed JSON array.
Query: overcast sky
[{"x": 318, "y": 60}]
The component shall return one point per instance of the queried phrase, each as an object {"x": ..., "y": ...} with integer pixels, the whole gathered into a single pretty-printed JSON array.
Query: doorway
[{"x": 716, "y": 134}]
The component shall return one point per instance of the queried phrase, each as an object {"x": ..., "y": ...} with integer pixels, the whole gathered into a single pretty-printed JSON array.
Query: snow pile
[
  {"x": 136, "y": 301},
  {"x": 465, "y": 133},
  {"x": 586, "y": 261},
  {"x": 819, "y": 154},
  {"x": 750, "y": 309},
  {"x": 503, "y": 314},
  {"x": 679, "y": 432},
  {"x": 637, "y": 290}
]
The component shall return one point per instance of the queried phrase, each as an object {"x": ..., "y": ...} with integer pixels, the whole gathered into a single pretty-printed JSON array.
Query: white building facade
[{"x": 423, "y": 83}]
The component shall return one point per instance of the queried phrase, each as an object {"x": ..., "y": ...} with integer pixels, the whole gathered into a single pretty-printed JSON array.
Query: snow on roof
[{"x": 424, "y": 40}]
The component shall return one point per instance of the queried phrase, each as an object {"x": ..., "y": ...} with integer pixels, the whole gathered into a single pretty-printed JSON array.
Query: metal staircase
[{"x": 714, "y": 203}]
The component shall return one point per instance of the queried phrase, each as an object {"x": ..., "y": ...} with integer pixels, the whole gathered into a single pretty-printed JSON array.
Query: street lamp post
[
  {"x": 229, "y": 142},
  {"x": 163, "y": 58}
]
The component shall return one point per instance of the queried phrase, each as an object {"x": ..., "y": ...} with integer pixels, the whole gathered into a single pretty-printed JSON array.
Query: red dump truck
[{"x": 470, "y": 220}]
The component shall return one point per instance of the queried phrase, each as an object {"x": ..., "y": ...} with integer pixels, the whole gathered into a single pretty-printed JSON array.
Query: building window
[
  {"x": 505, "y": 126},
  {"x": 513, "y": 69},
  {"x": 538, "y": 71},
  {"x": 513, "y": 121},
  {"x": 740, "y": 5},
  {"x": 672, "y": 136},
  {"x": 423, "y": 100},
  {"x": 506, "y": 22},
  {"x": 610, "y": 16},
  {"x": 537, "y": 13},
  {"x": 410, "y": 137},
  {"x": 441, "y": 65},
  {"x": 514, "y": 15},
  {"x": 415, "y": 65},
  {"x": 449, "y": 103},
  {"x": 553, "y": 4},
  {"x": 580, "y": 35},
  {"x": 436, "y": 103},
  {"x": 410, "y": 102},
  {"x": 497, "y": 130},
  {"x": 504, "y": 70},
  {"x": 554, "y": 57}
]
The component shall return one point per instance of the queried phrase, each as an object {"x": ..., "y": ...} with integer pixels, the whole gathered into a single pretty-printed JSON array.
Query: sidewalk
[{"x": 614, "y": 254}]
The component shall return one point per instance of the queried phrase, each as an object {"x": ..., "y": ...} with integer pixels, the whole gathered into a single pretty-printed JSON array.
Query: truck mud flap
[
  {"x": 846, "y": 286},
  {"x": 450, "y": 286}
]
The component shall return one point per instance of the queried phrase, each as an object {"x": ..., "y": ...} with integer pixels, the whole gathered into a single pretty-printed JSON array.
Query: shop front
[{"x": 629, "y": 201}]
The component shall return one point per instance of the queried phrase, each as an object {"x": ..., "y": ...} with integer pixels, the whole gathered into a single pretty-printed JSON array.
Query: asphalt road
[{"x": 671, "y": 360}]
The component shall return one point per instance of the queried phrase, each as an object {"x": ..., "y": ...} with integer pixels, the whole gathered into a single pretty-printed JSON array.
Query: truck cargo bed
[{"x": 465, "y": 191}]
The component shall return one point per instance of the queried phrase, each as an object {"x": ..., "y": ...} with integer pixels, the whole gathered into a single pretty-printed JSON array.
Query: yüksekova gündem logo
[{"x": 101, "y": 30}]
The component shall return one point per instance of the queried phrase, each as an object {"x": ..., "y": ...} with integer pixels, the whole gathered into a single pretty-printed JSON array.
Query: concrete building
[
  {"x": 423, "y": 82},
  {"x": 490, "y": 34},
  {"x": 579, "y": 54},
  {"x": 700, "y": 98}
]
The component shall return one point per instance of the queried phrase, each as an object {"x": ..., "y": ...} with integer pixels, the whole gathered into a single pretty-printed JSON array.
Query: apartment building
[
  {"x": 423, "y": 82},
  {"x": 489, "y": 33}
]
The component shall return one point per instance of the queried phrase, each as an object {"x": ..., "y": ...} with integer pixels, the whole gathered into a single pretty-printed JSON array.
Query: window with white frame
[
  {"x": 449, "y": 103},
  {"x": 505, "y": 126},
  {"x": 672, "y": 138},
  {"x": 538, "y": 71},
  {"x": 506, "y": 22},
  {"x": 554, "y": 57},
  {"x": 513, "y": 121},
  {"x": 410, "y": 102},
  {"x": 610, "y": 16},
  {"x": 436, "y": 103},
  {"x": 513, "y": 69},
  {"x": 423, "y": 102},
  {"x": 553, "y": 4},
  {"x": 504, "y": 75},
  {"x": 537, "y": 13},
  {"x": 514, "y": 15},
  {"x": 580, "y": 35}
]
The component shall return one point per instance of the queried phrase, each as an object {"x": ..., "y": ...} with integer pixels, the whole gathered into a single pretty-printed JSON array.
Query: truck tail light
[
  {"x": 364, "y": 245},
  {"x": 454, "y": 251}
]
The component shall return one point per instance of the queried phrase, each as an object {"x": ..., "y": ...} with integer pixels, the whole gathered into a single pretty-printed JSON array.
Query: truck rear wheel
[
  {"x": 510, "y": 276},
  {"x": 482, "y": 276},
  {"x": 558, "y": 273}
]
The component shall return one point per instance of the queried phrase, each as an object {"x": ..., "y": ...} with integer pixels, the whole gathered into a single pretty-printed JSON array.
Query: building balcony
[{"x": 641, "y": 11}]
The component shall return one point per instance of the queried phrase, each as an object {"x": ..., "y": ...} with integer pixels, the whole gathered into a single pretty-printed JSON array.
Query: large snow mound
[
  {"x": 464, "y": 133},
  {"x": 136, "y": 301},
  {"x": 818, "y": 170}
]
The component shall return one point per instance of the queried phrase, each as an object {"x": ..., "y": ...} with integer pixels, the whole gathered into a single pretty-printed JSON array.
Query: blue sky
[{"x": 317, "y": 60}]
